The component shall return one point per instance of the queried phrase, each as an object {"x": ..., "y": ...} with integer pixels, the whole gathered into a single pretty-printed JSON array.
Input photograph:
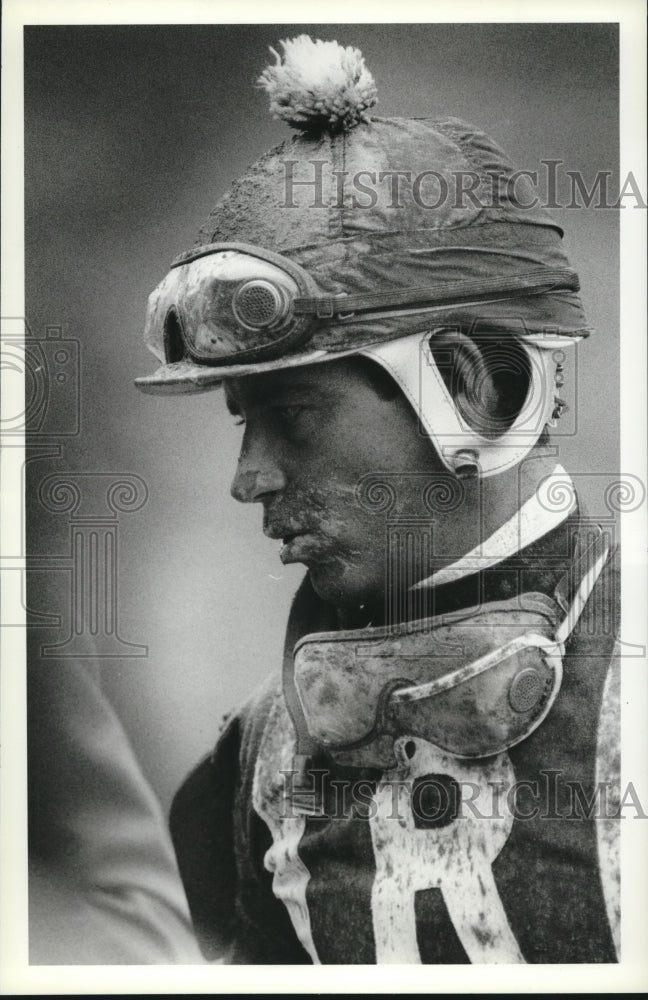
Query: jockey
[{"x": 389, "y": 313}]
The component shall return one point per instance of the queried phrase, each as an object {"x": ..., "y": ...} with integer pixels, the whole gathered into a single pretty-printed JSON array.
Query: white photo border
[{"x": 631, "y": 975}]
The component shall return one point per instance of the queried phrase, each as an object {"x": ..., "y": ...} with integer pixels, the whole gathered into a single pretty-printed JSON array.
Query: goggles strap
[
  {"x": 533, "y": 282},
  {"x": 418, "y": 691},
  {"x": 594, "y": 559},
  {"x": 598, "y": 551}
]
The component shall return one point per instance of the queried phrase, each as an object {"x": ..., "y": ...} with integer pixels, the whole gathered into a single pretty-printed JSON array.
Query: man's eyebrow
[
  {"x": 294, "y": 387},
  {"x": 277, "y": 393}
]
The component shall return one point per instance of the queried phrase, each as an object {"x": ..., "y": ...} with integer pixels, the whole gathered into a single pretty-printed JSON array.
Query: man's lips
[
  {"x": 299, "y": 546},
  {"x": 285, "y": 533},
  {"x": 302, "y": 545},
  {"x": 300, "y": 542}
]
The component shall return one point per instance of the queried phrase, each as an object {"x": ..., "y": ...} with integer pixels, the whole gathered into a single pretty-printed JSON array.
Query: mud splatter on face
[{"x": 310, "y": 437}]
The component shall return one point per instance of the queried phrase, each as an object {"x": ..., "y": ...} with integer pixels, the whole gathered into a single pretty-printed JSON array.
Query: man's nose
[{"x": 257, "y": 475}]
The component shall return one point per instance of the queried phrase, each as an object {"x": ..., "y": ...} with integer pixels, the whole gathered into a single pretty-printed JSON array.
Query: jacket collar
[{"x": 536, "y": 517}]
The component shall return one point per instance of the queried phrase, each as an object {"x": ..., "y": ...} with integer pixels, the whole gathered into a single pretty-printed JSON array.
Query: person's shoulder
[
  {"x": 241, "y": 730},
  {"x": 255, "y": 715}
]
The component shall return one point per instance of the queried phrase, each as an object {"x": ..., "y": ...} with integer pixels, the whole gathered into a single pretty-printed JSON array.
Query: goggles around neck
[
  {"x": 474, "y": 682},
  {"x": 232, "y": 303}
]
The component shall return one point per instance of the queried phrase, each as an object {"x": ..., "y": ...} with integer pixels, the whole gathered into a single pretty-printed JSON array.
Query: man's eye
[
  {"x": 290, "y": 413},
  {"x": 239, "y": 421}
]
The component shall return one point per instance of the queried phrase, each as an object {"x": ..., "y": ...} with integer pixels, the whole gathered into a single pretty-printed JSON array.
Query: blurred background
[{"x": 132, "y": 133}]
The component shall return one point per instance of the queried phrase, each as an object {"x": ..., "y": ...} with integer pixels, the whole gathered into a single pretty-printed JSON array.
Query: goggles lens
[{"x": 225, "y": 306}]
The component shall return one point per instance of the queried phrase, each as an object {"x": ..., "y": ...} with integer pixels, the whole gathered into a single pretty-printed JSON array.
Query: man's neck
[
  {"x": 499, "y": 518},
  {"x": 486, "y": 505},
  {"x": 535, "y": 567},
  {"x": 545, "y": 509}
]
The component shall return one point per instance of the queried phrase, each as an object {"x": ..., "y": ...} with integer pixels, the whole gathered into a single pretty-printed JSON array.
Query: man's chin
[{"x": 336, "y": 585}]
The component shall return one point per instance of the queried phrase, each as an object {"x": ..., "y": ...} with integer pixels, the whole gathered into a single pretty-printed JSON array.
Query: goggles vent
[
  {"x": 526, "y": 690},
  {"x": 260, "y": 304}
]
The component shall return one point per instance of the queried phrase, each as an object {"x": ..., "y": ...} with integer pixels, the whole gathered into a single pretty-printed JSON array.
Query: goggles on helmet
[
  {"x": 228, "y": 302},
  {"x": 231, "y": 304}
]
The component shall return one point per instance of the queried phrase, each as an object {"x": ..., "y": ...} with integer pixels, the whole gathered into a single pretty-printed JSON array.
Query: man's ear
[{"x": 488, "y": 378}]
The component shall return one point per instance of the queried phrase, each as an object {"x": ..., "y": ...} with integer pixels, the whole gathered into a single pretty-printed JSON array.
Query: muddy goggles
[
  {"x": 473, "y": 682},
  {"x": 232, "y": 303},
  {"x": 473, "y": 685}
]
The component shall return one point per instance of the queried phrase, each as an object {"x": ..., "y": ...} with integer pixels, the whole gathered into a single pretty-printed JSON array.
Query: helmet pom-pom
[{"x": 318, "y": 86}]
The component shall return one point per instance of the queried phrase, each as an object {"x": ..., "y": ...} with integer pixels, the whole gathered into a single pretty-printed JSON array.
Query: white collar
[{"x": 535, "y": 518}]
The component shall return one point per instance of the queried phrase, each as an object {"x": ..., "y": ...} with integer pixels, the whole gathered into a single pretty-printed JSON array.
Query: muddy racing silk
[{"x": 437, "y": 860}]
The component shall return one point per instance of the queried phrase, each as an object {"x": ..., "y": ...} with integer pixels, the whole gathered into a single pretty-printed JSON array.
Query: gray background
[{"x": 131, "y": 135}]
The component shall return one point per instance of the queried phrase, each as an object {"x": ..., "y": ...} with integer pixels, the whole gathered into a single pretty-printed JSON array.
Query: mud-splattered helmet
[{"x": 373, "y": 236}]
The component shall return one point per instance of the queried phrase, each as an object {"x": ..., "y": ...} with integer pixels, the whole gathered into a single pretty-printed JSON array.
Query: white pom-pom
[{"x": 316, "y": 86}]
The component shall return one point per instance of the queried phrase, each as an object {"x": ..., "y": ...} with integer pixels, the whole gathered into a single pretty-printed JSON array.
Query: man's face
[{"x": 310, "y": 434}]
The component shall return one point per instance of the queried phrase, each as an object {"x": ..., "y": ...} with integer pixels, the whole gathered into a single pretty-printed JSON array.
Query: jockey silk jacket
[{"x": 507, "y": 858}]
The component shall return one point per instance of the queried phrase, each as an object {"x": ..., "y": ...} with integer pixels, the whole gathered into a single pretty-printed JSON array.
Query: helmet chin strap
[{"x": 461, "y": 448}]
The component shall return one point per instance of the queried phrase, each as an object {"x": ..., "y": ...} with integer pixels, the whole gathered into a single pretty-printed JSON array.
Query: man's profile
[{"x": 389, "y": 315}]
